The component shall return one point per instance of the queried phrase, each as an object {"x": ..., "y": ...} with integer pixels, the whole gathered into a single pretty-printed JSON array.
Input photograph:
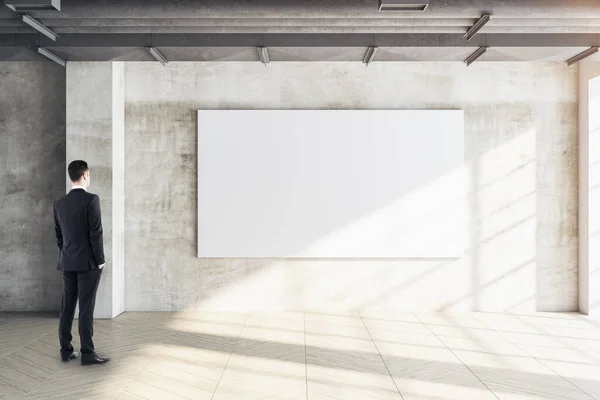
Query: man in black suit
[{"x": 78, "y": 228}]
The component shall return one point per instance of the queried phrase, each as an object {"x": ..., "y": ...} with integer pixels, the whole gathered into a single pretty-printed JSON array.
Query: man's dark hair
[{"x": 76, "y": 170}]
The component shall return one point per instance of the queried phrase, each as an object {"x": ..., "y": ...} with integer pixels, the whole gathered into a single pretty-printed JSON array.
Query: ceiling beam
[
  {"x": 158, "y": 55},
  {"x": 223, "y": 9},
  {"x": 477, "y": 26},
  {"x": 370, "y": 55},
  {"x": 50, "y": 55},
  {"x": 475, "y": 56},
  {"x": 582, "y": 56},
  {"x": 263, "y": 54},
  {"x": 41, "y": 28},
  {"x": 300, "y": 40}
]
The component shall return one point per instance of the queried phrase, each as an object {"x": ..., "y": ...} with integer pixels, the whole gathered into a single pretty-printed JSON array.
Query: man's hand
[{"x": 101, "y": 266}]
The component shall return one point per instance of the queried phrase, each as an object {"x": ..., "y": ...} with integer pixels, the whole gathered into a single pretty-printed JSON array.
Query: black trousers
[{"x": 82, "y": 285}]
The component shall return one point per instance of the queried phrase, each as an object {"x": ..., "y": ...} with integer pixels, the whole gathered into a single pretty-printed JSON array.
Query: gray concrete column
[
  {"x": 589, "y": 188},
  {"x": 96, "y": 134}
]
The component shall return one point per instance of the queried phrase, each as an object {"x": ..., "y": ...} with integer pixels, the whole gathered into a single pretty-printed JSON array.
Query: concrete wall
[
  {"x": 521, "y": 148},
  {"x": 32, "y": 177},
  {"x": 95, "y": 133},
  {"x": 521, "y": 156}
]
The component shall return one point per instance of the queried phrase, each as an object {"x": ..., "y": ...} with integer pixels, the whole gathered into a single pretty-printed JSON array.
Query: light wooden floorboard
[{"x": 367, "y": 356}]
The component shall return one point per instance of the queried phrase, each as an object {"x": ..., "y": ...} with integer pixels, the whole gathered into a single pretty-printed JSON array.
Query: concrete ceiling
[{"x": 313, "y": 30}]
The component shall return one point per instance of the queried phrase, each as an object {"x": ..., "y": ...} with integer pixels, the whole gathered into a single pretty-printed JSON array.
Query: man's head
[{"x": 79, "y": 173}]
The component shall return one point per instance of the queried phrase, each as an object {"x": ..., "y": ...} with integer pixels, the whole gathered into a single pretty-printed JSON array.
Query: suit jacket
[{"x": 78, "y": 226}]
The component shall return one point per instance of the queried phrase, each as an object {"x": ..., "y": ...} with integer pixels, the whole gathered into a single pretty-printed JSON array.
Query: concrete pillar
[
  {"x": 589, "y": 188},
  {"x": 96, "y": 134}
]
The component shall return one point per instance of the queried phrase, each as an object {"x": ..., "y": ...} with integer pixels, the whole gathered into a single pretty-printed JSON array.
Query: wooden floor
[{"x": 316, "y": 356}]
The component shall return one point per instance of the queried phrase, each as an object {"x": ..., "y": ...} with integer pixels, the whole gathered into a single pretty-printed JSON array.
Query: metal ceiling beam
[
  {"x": 582, "y": 56},
  {"x": 50, "y": 55},
  {"x": 324, "y": 8},
  {"x": 263, "y": 54},
  {"x": 38, "y": 26},
  {"x": 300, "y": 40},
  {"x": 475, "y": 56},
  {"x": 370, "y": 55},
  {"x": 158, "y": 55},
  {"x": 485, "y": 18},
  {"x": 58, "y": 21}
]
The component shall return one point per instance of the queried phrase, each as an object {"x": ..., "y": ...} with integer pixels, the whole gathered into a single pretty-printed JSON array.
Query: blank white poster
[{"x": 331, "y": 184}]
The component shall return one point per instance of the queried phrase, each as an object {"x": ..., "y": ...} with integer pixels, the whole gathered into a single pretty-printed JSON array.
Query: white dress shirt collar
[{"x": 78, "y": 187}]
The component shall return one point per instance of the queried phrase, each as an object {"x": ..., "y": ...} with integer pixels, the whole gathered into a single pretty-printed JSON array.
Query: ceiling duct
[
  {"x": 33, "y": 5},
  {"x": 403, "y": 5}
]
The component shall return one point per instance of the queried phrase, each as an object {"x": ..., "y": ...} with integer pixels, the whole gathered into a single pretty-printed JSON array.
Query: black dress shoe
[
  {"x": 91, "y": 359},
  {"x": 70, "y": 357}
]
